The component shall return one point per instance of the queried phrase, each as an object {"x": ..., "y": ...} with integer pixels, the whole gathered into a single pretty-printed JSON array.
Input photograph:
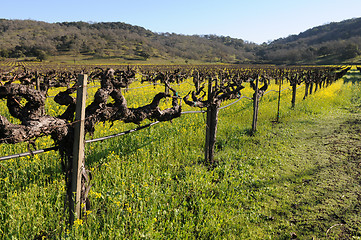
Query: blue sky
[{"x": 252, "y": 20}]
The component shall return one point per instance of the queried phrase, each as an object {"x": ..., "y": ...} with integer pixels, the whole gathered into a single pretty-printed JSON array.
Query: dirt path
[{"x": 327, "y": 195}]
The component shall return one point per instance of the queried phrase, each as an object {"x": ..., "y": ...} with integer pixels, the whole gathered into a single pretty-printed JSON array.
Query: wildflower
[
  {"x": 129, "y": 209},
  {"x": 95, "y": 194},
  {"x": 78, "y": 223}
]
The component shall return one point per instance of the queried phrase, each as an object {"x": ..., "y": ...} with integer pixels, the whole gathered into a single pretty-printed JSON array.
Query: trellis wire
[
  {"x": 28, "y": 153},
  {"x": 86, "y": 141},
  {"x": 122, "y": 133},
  {"x": 239, "y": 99}
]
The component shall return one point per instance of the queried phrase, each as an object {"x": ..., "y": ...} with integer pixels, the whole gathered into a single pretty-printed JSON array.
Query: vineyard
[{"x": 169, "y": 150}]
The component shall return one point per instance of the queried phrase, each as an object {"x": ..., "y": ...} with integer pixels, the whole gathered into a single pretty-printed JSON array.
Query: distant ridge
[
  {"x": 332, "y": 43},
  {"x": 20, "y": 38},
  {"x": 328, "y": 32},
  {"x": 336, "y": 42}
]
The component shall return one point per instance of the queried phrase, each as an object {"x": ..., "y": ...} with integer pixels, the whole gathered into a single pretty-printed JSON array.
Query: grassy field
[
  {"x": 298, "y": 178},
  {"x": 111, "y": 60}
]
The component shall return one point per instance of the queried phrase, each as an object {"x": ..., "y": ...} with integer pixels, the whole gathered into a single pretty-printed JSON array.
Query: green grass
[
  {"x": 299, "y": 176},
  {"x": 89, "y": 59}
]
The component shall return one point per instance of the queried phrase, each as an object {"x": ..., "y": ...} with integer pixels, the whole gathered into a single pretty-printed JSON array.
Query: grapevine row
[{"x": 212, "y": 86}]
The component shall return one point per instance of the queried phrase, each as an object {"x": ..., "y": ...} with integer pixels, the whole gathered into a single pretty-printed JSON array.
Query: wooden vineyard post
[
  {"x": 166, "y": 89},
  {"x": 78, "y": 149},
  {"x": 279, "y": 101},
  {"x": 294, "y": 91},
  {"x": 255, "y": 108},
  {"x": 211, "y": 127},
  {"x": 37, "y": 81}
]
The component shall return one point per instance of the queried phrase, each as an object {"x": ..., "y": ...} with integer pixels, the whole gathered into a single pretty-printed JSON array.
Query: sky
[{"x": 255, "y": 21}]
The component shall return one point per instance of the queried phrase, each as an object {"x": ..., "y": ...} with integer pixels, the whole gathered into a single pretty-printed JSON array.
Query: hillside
[
  {"x": 329, "y": 43},
  {"x": 329, "y": 32},
  {"x": 333, "y": 43},
  {"x": 21, "y": 38}
]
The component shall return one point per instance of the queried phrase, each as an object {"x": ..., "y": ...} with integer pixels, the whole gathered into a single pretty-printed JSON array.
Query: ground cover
[{"x": 297, "y": 178}]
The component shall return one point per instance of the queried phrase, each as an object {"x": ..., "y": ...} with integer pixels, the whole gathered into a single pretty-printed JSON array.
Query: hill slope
[
  {"x": 115, "y": 39},
  {"x": 332, "y": 43}
]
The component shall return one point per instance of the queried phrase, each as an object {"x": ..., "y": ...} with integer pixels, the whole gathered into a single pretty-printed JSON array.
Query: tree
[
  {"x": 40, "y": 55},
  {"x": 350, "y": 51}
]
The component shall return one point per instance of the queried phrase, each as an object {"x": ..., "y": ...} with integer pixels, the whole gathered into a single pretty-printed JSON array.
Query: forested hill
[
  {"x": 331, "y": 43},
  {"x": 21, "y": 38},
  {"x": 328, "y": 32}
]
